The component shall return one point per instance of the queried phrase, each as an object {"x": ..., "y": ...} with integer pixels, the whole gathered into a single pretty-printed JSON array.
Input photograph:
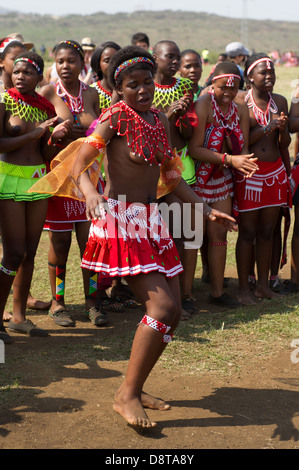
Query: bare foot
[
  {"x": 35, "y": 304},
  {"x": 185, "y": 315},
  {"x": 148, "y": 401},
  {"x": 265, "y": 293},
  {"x": 7, "y": 316},
  {"x": 132, "y": 411},
  {"x": 245, "y": 298}
]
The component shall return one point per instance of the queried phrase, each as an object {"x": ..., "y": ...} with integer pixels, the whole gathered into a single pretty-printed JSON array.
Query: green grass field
[{"x": 208, "y": 342}]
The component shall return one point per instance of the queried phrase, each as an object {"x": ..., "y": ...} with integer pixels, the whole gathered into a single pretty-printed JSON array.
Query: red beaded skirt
[
  {"x": 269, "y": 186},
  {"x": 215, "y": 187},
  {"x": 294, "y": 181},
  {"x": 130, "y": 239},
  {"x": 63, "y": 211}
]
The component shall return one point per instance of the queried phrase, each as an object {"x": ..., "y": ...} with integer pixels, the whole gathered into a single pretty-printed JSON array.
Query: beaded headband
[
  {"x": 30, "y": 61},
  {"x": 70, "y": 43},
  {"x": 130, "y": 62},
  {"x": 263, "y": 59},
  {"x": 6, "y": 42},
  {"x": 230, "y": 78}
]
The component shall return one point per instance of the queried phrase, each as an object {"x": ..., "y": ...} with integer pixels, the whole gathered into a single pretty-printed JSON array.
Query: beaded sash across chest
[
  {"x": 165, "y": 95},
  {"x": 261, "y": 117},
  {"x": 104, "y": 95},
  {"x": 28, "y": 107},
  {"x": 145, "y": 140}
]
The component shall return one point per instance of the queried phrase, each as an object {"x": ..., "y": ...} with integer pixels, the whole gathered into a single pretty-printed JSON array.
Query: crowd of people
[
  {"x": 108, "y": 122},
  {"x": 287, "y": 59}
]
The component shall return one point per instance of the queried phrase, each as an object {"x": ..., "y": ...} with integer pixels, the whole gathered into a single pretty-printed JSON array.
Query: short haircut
[
  {"x": 140, "y": 37},
  {"x": 190, "y": 51},
  {"x": 226, "y": 67},
  {"x": 223, "y": 55},
  {"x": 124, "y": 54},
  {"x": 34, "y": 57},
  {"x": 158, "y": 45}
]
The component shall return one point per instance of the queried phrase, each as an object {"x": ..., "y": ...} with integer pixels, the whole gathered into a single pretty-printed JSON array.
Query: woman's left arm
[
  {"x": 244, "y": 124},
  {"x": 294, "y": 113},
  {"x": 50, "y": 141},
  {"x": 283, "y": 124}
]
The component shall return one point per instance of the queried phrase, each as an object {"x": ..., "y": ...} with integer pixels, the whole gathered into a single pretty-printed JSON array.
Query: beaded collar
[
  {"x": 29, "y": 107},
  {"x": 165, "y": 95},
  {"x": 145, "y": 140},
  {"x": 261, "y": 117},
  {"x": 104, "y": 95}
]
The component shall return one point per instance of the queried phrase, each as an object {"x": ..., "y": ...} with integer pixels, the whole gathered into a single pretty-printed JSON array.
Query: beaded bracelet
[
  {"x": 223, "y": 160},
  {"x": 50, "y": 143}
]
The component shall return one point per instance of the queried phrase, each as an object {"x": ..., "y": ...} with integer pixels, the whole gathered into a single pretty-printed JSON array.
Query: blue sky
[{"x": 287, "y": 10}]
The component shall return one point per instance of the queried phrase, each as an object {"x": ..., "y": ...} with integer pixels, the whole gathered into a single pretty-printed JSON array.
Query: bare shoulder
[
  {"x": 280, "y": 101},
  {"x": 241, "y": 95},
  {"x": 48, "y": 91},
  {"x": 241, "y": 103},
  {"x": 202, "y": 103},
  {"x": 91, "y": 91}
]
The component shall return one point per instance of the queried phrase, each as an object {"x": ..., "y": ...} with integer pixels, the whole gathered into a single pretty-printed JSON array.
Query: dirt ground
[{"x": 68, "y": 404}]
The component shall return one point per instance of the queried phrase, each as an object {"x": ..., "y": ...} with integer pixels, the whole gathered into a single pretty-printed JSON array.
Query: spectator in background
[
  {"x": 221, "y": 58},
  {"x": 237, "y": 53},
  {"x": 88, "y": 47},
  {"x": 141, "y": 40},
  {"x": 19, "y": 37},
  {"x": 205, "y": 56}
]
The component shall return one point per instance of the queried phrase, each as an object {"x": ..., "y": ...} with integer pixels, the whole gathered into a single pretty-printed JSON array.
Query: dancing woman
[{"x": 131, "y": 240}]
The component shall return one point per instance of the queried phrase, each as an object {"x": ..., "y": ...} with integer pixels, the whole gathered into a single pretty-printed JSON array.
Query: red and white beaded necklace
[
  {"x": 229, "y": 120},
  {"x": 75, "y": 103},
  {"x": 261, "y": 117},
  {"x": 145, "y": 140}
]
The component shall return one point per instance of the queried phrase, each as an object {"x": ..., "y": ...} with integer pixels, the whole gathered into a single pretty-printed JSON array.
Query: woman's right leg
[
  {"x": 60, "y": 243},
  {"x": 35, "y": 214},
  {"x": 12, "y": 224},
  {"x": 295, "y": 249},
  {"x": 245, "y": 254},
  {"x": 266, "y": 225},
  {"x": 217, "y": 236},
  {"x": 161, "y": 299}
]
